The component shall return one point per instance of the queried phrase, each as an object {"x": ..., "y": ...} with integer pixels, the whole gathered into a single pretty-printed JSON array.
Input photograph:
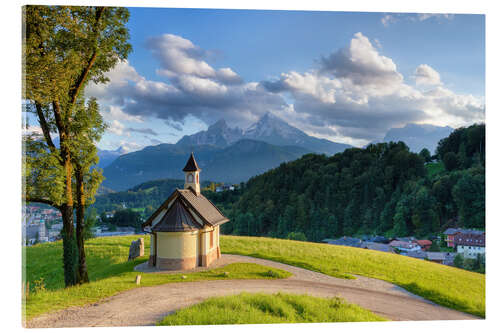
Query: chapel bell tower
[{"x": 192, "y": 172}]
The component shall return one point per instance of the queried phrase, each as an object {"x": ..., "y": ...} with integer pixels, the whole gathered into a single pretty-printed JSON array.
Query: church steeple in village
[{"x": 192, "y": 175}]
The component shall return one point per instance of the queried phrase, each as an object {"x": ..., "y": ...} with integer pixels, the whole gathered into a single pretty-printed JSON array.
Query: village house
[
  {"x": 377, "y": 247},
  {"x": 345, "y": 241},
  {"x": 405, "y": 246},
  {"x": 470, "y": 244},
  {"x": 185, "y": 229},
  {"x": 424, "y": 244}
]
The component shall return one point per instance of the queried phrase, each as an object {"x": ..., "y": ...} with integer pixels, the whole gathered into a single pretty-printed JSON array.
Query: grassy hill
[
  {"x": 449, "y": 286},
  {"x": 110, "y": 272}
]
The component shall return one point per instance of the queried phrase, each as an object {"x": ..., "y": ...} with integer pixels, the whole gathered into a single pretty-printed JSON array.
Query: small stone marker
[
  {"x": 138, "y": 280},
  {"x": 136, "y": 249},
  {"x": 226, "y": 274},
  {"x": 184, "y": 277}
]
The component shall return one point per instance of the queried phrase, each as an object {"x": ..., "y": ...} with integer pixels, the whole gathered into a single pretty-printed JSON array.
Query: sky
[{"x": 343, "y": 76}]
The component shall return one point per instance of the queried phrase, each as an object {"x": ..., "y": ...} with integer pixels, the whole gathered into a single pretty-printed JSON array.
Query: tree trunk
[
  {"x": 69, "y": 246},
  {"x": 70, "y": 255},
  {"x": 83, "y": 276}
]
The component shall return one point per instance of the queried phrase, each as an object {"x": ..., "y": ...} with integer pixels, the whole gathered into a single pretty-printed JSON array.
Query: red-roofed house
[{"x": 424, "y": 244}]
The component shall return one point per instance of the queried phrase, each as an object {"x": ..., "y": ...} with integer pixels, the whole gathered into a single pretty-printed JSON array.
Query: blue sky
[{"x": 344, "y": 76}]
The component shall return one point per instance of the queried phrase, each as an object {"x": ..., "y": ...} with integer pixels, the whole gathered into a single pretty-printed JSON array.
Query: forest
[{"x": 381, "y": 189}]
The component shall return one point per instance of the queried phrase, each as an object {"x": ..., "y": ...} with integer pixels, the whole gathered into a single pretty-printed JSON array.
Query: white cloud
[
  {"x": 358, "y": 94},
  {"x": 116, "y": 127},
  {"x": 362, "y": 64},
  {"x": 354, "y": 96},
  {"x": 388, "y": 19},
  {"x": 426, "y": 16},
  {"x": 194, "y": 88},
  {"x": 178, "y": 56},
  {"x": 426, "y": 75}
]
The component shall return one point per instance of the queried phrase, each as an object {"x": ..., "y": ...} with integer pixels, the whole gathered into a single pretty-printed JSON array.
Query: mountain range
[
  {"x": 418, "y": 137},
  {"x": 225, "y": 154},
  {"x": 233, "y": 155},
  {"x": 268, "y": 128}
]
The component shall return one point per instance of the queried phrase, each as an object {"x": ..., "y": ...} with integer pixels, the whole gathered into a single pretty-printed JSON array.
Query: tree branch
[
  {"x": 44, "y": 126},
  {"x": 73, "y": 94},
  {"x": 41, "y": 200}
]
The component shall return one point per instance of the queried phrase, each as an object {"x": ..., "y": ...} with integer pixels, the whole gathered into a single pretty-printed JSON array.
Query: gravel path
[{"x": 145, "y": 306}]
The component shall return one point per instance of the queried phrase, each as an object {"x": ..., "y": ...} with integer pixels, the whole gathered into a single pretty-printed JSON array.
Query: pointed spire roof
[{"x": 191, "y": 164}]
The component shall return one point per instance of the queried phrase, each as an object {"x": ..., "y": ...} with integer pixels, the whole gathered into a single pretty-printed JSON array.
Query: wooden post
[{"x": 138, "y": 280}]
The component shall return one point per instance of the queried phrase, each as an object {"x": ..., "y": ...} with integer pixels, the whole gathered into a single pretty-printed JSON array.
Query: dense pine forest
[{"x": 383, "y": 189}]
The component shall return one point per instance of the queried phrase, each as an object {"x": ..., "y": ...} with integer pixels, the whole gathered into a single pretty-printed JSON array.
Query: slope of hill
[
  {"x": 151, "y": 193},
  {"x": 233, "y": 164},
  {"x": 418, "y": 137}
]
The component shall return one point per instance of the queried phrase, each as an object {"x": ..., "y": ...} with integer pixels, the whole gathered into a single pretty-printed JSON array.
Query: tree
[
  {"x": 451, "y": 161},
  {"x": 425, "y": 154},
  {"x": 87, "y": 128},
  {"x": 90, "y": 222},
  {"x": 63, "y": 49},
  {"x": 458, "y": 261}
]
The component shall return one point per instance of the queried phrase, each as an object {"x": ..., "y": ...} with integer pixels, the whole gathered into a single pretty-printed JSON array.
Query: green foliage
[
  {"x": 90, "y": 223},
  {"x": 426, "y": 155},
  {"x": 458, "y": 261},
  {"x": 267, "y": 309},
  {"x": 383, "y": 188},
  {"x": 451, "y": 161},
  {"x": 149, "y": 195},
  {"x": 451, "y": 287},
  {"x": 297, "y": 236},
  {"x": 126, "y": 218}
]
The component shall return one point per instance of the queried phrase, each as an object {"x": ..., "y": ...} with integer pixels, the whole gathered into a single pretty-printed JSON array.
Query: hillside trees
[
  {"x": 63, "y": 49},
  {"x": 383, "y": 188}
]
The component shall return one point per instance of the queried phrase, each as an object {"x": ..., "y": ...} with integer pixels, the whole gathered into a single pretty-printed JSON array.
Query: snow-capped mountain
[
  {"x": 218, "y": 134},
  {"x": 269, "y": 129},
  {"x": 106, "y": 157}
]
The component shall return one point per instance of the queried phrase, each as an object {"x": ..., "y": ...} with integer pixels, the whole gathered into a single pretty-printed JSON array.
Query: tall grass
[
  {"x": 452, "y": 287},
  {"x": 268, "y": 309}
]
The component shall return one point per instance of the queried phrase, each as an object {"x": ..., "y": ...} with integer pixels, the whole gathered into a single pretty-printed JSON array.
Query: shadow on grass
[{"x": 440, "y": 299}]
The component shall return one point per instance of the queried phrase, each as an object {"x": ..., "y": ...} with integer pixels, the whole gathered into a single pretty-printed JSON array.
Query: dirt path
[{"x": 145, "y": 306}]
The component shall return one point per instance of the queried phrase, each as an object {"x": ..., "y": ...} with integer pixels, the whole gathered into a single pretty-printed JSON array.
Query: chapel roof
[
  {"x": 191, "y": 165},
  {"x": 177, "y": 218}
]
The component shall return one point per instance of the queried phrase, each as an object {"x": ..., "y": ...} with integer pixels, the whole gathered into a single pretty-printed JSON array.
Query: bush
[
  {"x": 458, "y": 261},
  {"x": 300, "y": 236}
]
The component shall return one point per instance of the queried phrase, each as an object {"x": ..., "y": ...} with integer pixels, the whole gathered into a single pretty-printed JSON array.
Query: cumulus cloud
[
  {"x": 193, "y": 88},
  {"x": 116, "y": 127},
  {"x": 357, "y": 94},
  {"x": 426, "y": 75},
  {"x": 361, "y": 63}
]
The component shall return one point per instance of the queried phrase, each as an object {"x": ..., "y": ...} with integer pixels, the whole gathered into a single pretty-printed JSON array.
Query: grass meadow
[
  {"x": 258, "y": 308},
  {"x": 449, "y": 286},
  {"x": 110, "y": 273}
]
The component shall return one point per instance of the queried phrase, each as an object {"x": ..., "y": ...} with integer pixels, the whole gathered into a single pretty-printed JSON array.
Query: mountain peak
[{"x": 220, "y": 124}]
